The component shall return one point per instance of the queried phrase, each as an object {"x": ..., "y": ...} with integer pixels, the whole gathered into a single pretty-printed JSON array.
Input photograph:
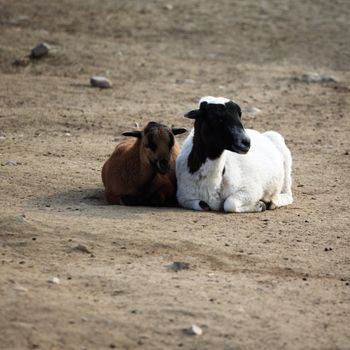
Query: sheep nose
[
  {"x": 244, "y": 145},
  {"x": 162, "y": 166},
  {"x": 246, "y": 142}
]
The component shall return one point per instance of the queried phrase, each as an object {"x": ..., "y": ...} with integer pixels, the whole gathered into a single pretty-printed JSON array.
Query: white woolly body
[{"x": 261, "y": 175}]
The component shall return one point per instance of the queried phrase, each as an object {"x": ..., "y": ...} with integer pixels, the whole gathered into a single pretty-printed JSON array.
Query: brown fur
[{"x": 128, "y": 175}]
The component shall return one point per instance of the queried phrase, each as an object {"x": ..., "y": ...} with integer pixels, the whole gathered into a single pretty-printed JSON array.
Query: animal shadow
[{"x": 74, "y": 198}]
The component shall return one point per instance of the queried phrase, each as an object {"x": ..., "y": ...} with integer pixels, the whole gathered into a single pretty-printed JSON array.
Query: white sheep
[{"x": 222, "y": 166}]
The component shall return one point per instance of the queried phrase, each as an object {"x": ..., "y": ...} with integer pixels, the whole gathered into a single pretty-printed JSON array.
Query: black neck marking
[{"x": 200, "y": 150}]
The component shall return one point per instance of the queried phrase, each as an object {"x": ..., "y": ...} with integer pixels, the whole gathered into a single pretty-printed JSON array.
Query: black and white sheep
[{"x": 222, "y": 166}]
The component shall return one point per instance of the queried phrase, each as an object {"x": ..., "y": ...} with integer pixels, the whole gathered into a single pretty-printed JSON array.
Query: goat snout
[{"x": 162, "y": 166}]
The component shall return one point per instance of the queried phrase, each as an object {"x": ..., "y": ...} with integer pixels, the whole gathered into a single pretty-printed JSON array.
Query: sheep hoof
[
  {"x": 261, "y": 206},
  {"x": 204, "y": 205},
  {"x": 271, "y": 206}
]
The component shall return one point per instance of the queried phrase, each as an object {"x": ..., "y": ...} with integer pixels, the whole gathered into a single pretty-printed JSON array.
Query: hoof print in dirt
[
  {"x": 40, "y": 51},
  {"x": 100, "y": 82}
]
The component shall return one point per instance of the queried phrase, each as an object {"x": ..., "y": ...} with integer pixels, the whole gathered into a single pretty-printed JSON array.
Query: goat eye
[{"x": 151, "y": 146}]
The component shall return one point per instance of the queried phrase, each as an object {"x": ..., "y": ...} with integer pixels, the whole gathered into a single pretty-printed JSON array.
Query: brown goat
[{"x": 142, "y": 171}]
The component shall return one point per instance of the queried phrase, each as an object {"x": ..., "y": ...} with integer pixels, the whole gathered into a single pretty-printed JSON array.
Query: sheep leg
[
  {"x": 282, "y": 200},
  {"x": 241, "y": 203}
]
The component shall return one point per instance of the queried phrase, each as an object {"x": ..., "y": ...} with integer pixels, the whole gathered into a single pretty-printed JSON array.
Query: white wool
[
  {"x": 214, "y": 100},
  {"x": 263, "y": 174}
]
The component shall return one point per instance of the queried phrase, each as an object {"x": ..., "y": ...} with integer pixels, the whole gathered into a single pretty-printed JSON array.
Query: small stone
[
  {"x": 169, "y": 7},
  {"x": 22, "y": 218},
  {"x": 179, "y": 265},
  {"x": 10, "y": 162},
  {"x": 252, "y": 110},
  {"x": 54, "y": 280},
  {"x": 80, "y": 248},
  {"x": 40, "y": 50},
  {"x": 20, "y": 288},
  {"x": 101, "y": 82},
  {"x": 194, "y": 330}
]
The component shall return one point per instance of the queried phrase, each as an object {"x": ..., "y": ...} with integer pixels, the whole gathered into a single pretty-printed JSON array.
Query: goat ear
[
  {"x": 137, "y": 134},
  {"x": 193, "y": 114},
  {"x": 178, "y": 131}
]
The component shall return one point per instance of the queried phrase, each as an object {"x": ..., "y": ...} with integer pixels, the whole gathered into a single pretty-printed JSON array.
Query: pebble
[
  {"x": 194, "y": 330},
  {"x": 179, "y": 265},
  {"x": 80, "y": 248},
  {"x": 252, "y": 110},
  {"x": 100, "y": 82},
  {"x": 169, "y": 7},
  {"x": 40, "y": 50},
  {"x": 54, "y": 280},
  {"x": 20, "y": 288},
  {"x": 10, "y": 162}
]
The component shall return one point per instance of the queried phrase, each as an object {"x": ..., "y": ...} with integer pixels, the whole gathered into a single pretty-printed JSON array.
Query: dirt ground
[{"x": 272, "y": 280}]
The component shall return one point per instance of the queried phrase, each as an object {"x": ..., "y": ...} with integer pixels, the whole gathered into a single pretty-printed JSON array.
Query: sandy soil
[{"x": 273, "y": 280}]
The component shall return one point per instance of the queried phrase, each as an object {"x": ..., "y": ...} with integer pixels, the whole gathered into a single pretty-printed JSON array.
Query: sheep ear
[
  {"x": 178, "y": 131},
  {"x": 137, "y": 134},
  {"x": 193, "y": 114},
  {"x": 196, "y": 113}
]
